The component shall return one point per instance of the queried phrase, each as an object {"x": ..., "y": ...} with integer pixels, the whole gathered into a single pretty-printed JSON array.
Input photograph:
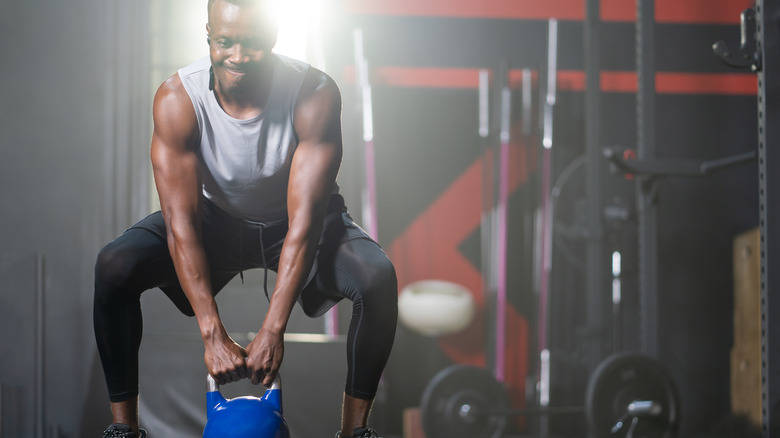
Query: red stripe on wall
[
  {"x": 700, "y": 11},
  {"x": 431, "y": 77},
  {"x": 707, "y": 83},
  {"x": 618, "y": 81},
  {"x": 666, "y": 11},
  {"x": 519, "y": 9},
  {"x": 568, "y": 80}
]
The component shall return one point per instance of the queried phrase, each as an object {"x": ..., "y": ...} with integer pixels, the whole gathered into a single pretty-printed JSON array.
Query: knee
[
  {"x": 112, "y": 271},
  {"x": 381, "y": 284}
]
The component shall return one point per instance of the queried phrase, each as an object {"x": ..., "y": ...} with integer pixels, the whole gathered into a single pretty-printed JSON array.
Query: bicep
[
  {"x": 174, "y": 162},
  {"x": 318, "y": 156}
]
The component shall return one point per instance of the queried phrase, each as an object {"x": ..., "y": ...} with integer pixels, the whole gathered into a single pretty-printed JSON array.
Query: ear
[{"x": 208, "y": 34}]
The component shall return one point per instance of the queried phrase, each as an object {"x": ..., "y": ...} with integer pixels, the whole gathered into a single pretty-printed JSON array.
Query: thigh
[
  {"x": 160, "y": 263},
  {"x": 357, "y": 269}
]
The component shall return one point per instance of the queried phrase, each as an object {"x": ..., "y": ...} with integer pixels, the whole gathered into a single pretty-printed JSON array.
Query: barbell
[{"x": 628, "y": 395}]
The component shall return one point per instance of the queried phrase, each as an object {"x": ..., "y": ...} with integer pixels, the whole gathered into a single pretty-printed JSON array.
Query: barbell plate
[
  {"x": 452, "y": 401},
  {"x": 622, "y": 379}
]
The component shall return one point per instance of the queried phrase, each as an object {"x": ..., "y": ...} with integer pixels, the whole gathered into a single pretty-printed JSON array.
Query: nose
[{"x": 241, "y": 54}]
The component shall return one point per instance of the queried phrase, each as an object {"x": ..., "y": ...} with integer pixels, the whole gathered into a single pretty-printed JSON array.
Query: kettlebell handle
[{"x": 212, "y": 385}]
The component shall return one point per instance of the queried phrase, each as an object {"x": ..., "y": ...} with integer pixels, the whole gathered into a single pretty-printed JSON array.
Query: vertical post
[
  {"x": 364, "y": 90},
  {"x": 498, "y": 132},
  {"x": 502, "y": 244},
  {"x": 487, "y": 228},
  {"x": 768, "y": 46},
  {"x": 546, "y": 221},
  {"x": 646, "y": 149},
  {"x": 594, "y": 277},
  {"x": 545, "y": 246},
  {"x": 40, "y": 418},
  {"x": 487, "y": 182}
]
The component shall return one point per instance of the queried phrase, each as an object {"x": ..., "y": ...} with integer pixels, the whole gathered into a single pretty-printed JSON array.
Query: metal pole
[
  {"x": 768, "y": 45},
  {"x": 364, "y": 89},
  {"x": 502, "y": 208},
  {"x": 597, "y": 295},
  {"x": 646, "y": 149},
  {"x": 39, "y": 347},
  {"x": 545, "y": 247}
]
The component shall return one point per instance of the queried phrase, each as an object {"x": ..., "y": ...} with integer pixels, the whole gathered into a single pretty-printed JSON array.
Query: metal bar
[
  {"x": 597, "y": 296},
  {"x": 527, "y": 100},
  {"x": 646, "y": 149},
  {"x": 486, "y": 228},
  {"x": 491, "y": 201},
  {"x": 39, "y": 348},
  {"x": 364, "y": 90},
  {"x": 768, "y": 45},
  {"x": 546, "y": 222},
  {"x": 501, "y": 247},
  {"x": 484, "y": 100},
  {"x": 563, "y": 410},
  {"x": 722, "y": 163}
]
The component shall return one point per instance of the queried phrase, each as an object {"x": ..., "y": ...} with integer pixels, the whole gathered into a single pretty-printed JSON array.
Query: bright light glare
[
  {"x": 300, "y": 30},
  {"x": 616, "y": 264}
]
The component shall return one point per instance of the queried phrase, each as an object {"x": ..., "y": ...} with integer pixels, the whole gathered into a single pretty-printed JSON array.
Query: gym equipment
[
  {"x": 628, "y": 395},
  {"x": 632, "y": 395},
  {"x": 435, "y": 307},
  {"x": 245, "y": 417},
  {"x": 460, "y": 402}
]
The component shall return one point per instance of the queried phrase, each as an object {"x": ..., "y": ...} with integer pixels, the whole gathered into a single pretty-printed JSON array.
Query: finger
[
  {"x": 268, "y": 379},
  {"x": 242, "y": 372}
]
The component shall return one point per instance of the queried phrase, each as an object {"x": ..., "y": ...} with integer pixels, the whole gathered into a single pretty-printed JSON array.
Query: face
[{"x": 240, "y": 43}]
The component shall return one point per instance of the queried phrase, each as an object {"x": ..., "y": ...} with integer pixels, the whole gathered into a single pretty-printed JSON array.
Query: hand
[
  {"x": 225, "y": 359},
  {"x": 264, "y": 357}
]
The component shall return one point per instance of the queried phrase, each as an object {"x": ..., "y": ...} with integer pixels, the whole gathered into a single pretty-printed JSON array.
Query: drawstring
[
  {"x": 241, "y": 254},
  {"x": 262, "y": 254},
  {"x": 265, "y": 267}
]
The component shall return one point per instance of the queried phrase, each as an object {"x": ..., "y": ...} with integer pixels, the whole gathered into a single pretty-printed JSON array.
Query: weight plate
[
  {"x": 624, "y": 378},
  {"x": 457, "y": 403}
]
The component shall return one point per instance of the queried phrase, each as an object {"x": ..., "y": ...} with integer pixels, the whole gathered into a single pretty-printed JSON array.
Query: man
[{"x": 245, "y": 151}]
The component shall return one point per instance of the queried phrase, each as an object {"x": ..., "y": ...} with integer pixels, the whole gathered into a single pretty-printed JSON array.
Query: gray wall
[{"x": 73, "y": 173}]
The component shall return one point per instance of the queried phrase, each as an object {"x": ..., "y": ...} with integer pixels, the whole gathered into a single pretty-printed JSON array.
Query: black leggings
[{"x": 351, "y": 266}]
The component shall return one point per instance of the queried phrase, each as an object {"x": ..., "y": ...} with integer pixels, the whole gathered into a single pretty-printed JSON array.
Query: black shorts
[{"x": 233, "y": 245}]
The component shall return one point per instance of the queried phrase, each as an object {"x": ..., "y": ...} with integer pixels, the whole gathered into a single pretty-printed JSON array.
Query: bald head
[
  {"x": 264, "y": 5},
  {"x": 257, "y": 14}
]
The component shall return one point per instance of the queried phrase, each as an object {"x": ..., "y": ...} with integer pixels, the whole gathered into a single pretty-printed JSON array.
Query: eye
[
  {"x": 224, "y": 43},
  {"x": 256, "y": 44}
]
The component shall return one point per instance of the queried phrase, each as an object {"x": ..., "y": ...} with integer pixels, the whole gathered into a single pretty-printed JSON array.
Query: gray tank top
[{"x": 245, "y": 164}]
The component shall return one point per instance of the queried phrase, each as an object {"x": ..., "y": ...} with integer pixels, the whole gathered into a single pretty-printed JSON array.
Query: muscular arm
[
  {"x": 176, "y": 176},
  {"x": 312, "y": 179}
]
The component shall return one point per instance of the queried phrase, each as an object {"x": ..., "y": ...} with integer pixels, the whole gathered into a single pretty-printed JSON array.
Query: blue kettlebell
[{"x": 245, "y": 417}]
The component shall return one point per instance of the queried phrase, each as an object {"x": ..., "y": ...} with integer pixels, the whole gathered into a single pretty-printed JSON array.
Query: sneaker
[
  {"x": 361, "y": 432},
  {"x": 118, "y": 430}
]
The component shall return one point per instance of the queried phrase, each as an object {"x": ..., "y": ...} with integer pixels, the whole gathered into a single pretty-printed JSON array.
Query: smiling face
[{"x": 240, "y": 41}]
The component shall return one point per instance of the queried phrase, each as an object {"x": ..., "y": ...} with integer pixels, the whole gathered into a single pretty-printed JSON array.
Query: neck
[{"x": 247, "y": 101}]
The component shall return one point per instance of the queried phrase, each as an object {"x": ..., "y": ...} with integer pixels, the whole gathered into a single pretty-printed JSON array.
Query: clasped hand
[{"x": 227, "y": 361}]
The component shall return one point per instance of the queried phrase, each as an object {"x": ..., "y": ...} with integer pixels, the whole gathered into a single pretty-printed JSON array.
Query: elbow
[
  {"x": 303, "y": 231},
  {"x": 181, "y": 230}
]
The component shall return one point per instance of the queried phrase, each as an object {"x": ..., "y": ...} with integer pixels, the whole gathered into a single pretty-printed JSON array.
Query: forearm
[
  {"x": 192, "y": 269},
  {"x": 295, "y": 263}
]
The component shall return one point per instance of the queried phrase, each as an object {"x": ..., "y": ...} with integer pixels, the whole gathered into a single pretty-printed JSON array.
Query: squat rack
[
  {"x": 759, "y": 52},
  {"x": 767, "y": 59}
]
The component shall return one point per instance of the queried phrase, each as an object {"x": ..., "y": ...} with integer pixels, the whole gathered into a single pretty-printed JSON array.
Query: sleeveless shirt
[{"x": 245, "y": 164}]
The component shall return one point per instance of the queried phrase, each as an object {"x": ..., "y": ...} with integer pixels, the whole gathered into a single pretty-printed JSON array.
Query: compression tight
[{"x": 139, "y": 260}]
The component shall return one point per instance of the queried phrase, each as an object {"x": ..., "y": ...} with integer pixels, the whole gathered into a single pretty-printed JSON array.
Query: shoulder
[
  {"x": 173, "y": 112},
  {"x": 171, "y": 96},
  {"x": 319, "y": 90}
]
